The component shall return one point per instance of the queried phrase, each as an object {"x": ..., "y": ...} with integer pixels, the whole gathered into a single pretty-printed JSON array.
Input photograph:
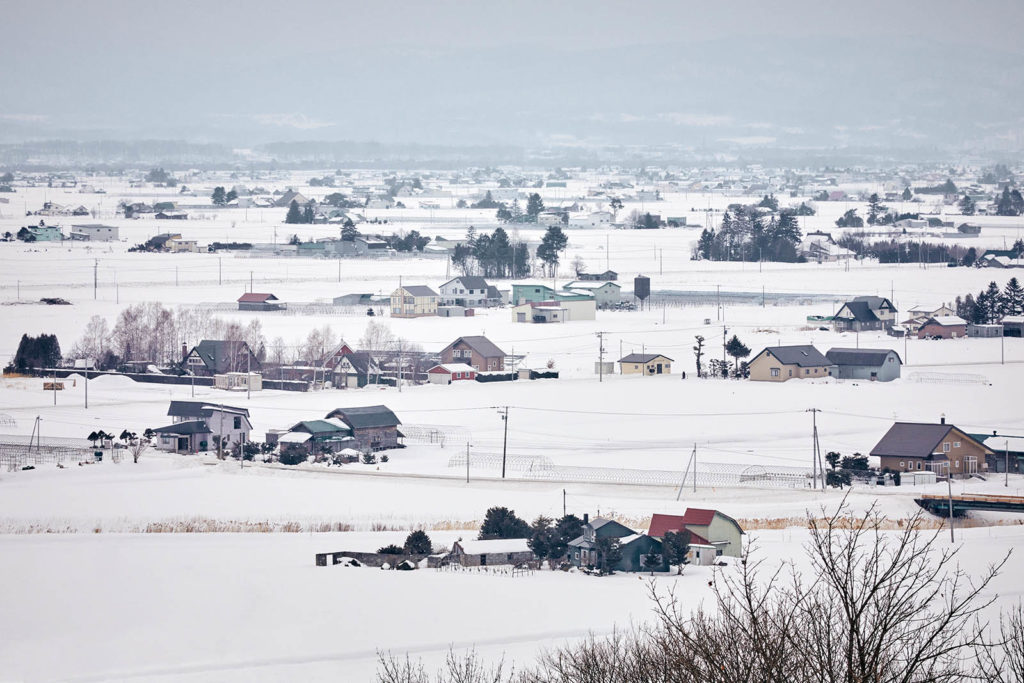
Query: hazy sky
[{"x": 523, "y": 72}]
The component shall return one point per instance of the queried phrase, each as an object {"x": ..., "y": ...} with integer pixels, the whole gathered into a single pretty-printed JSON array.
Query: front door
[{"x": 182, "y": 445}]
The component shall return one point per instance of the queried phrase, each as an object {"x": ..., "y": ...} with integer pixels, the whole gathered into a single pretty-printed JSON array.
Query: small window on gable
[
  {"x": 956, "y": 444},
  {"x": 945, "y": 447}
]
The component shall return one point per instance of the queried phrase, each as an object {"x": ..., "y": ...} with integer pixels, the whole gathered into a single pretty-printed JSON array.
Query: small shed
[
  {"x": 446, "y": 373},
  {"x": 259, "y": 301},
  {"x": 499, "y": 551}
]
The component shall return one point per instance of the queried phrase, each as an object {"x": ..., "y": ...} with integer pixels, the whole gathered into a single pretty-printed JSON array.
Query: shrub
[
  {"x": 391, "y": 549},
  {"x": 292, "y": 458}
]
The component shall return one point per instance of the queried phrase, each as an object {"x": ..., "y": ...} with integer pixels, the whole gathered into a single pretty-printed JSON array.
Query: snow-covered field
[{"x": 105, "y": 601}]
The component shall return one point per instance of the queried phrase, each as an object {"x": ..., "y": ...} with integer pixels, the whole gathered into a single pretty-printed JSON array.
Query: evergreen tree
[
  {"x": 698, "y": 352},
  {"x": 418, "y": 543},
  {"x": 218, "y": 196},
  {"x": 294, "y": 213},
  {"x": 970, "y": 257},
  {"x": 1013, "y": 298},
  {"x": 308, "y": 214},
  {"x": 348, "y": 231},
  {"x": 993, "y": 303},
  {"x": 907, "y": 194},
  {"x": 832, "y": 458},
  {"x": 500, "y": 522},
  {"x": 737, "y": 349},
  {"x": 37, "y": 352},
  {"x": 609, "y": 553},
  {"x": 471, "y": 237},
  {"x": 566, "y": 529},
  {"x": 1004, "y": 205},
  {"x": 554, "y": 242},
  {"x": 706, "y": 243},
  {"x": 1017, "y": 201},
  {"x": 676, "y": 546},
  {"x": 520, "y": 260},
  {"x": 967, "y": 206},
  {"x": 875, "y": 209},
  {"x": 230, "y": 196},
  {"x": 534, "y": 206},
  {"x": 850, "y": 219},
  {"x": 541, "y": 537},
  {"x": 652, "y": 560}
]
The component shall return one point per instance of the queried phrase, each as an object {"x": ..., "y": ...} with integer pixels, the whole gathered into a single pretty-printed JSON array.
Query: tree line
[
  {"x": 745, "y": 235},
  {"x": 992, "y": 304}
]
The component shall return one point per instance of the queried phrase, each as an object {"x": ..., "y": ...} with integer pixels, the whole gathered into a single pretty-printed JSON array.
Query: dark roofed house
[
  {"x": 198, "y": 425},
  {"x": 865, "y": 313},
  {"x": 469, "y": 291},
  {"x": 374, "y": 428},
  {"x": 585, "y": 551},
  {"x": 356, "y": 369},
  {"x": 476, "y": 351},
  {"x": 218, "y": 356},
  {"x": 781, "y": 363},
  {"x": 256, "y": 301},
  {"x": 876, "y": 365},
  {"x": 941, "y": 448}
]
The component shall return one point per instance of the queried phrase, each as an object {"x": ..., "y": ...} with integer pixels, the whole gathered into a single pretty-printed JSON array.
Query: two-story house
[
  {"x": 469, "y": 291},
  {"x": 478, "y": 352},
  {"x": 200, "y": 425},
  {"x": 941, "y": 448},
  {"x": 219, "y": 356},
  {"x": 413, "y": 301}
]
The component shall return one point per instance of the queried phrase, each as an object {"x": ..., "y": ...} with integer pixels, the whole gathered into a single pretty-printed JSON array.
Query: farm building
[
  {"x": 709, "y": 527},
  {"x": 877, "y": 365},
  {"x": 256, "y": 301},
  {"x": 374, "y": 428},
  {"x": 943, "y": 327},
  {"x": 446, "y": 373},
  {"x": 499, "y": 551}
]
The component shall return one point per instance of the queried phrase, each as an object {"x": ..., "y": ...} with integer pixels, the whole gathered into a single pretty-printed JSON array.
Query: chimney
[
  {"x": 586, "y": 518},
  {"x": 942, "y": 419},
  {"x": 994, "y": 433},
  {"x": 184, "y": 350}
]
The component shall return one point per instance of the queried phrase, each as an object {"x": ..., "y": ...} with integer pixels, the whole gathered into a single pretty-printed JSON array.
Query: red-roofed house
[
  {"x": 706, "y": 527},
  {"x": 256, "y": 301}
]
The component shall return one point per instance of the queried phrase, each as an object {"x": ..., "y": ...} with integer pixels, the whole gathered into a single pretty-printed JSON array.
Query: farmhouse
[
  {"x": 940, "y": 448},
  {"x": 709, "y": 527},
  {"x": 374, "y": 428},
  {"x": 446, "y": 373},
  {"x": 354, "y": 370},
  {"x": 316, "y": 436},
  {"x": 199, "y": 425},
  {"x": 865, "y": 313},
  {"x": 413, "y": 301},
  {"x": 876, "y": 365},
  {"x": 470, "y": 292},
  {"x": 94, "y": 232},
  {"x": 255, "y": 301},
  {"x": 943, "y": 327},
  {"x": 606, "y": 276},
  {"x": 477, "y": 351},
  {"x": 645, "y": 364},
  {"x": 219, "y": 356},
  {"x": 782, "y": 363},
  {"x": 585, "y": 551},
  {"x": 606, "y": 294}
]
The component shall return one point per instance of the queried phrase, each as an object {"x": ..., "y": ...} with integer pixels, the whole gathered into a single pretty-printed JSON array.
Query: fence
[
  {"x": 541, "y": 468},
  {"x": 19, "y": 451},
  {"x": 435, "y": 434},
  {"x": 948, "y": 378}
]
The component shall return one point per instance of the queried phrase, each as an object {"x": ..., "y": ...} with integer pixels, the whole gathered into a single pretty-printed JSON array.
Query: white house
[
  {"x": 94, "y": 232},
  {"x": 606, "y": 294},
  {"x": 595, "y": 219},
  {"x": 469, "y": 291}
]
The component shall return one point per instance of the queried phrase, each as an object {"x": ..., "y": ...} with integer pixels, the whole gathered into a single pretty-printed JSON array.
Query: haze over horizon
[{"x": 586, "y": 74}]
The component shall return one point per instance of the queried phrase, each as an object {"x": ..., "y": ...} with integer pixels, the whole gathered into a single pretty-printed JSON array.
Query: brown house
[
  {"x": 943, "y": 327},
  {"x": 478, "y": 352},
  {"x": 940, "y": 448}
]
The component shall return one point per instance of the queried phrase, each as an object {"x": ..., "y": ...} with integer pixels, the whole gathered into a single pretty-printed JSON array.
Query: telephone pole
[
  {"x": 600, "y": 357},
  {"x": 95, "y": 277},
  {"x": 816, "y": 465},
  {"x": 504, "y": 445}
]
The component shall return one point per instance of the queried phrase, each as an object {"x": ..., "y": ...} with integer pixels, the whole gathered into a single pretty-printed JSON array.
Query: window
[
  {"x": 918, "y": 464},
  {"x": 903, "y": 465},
  {"x": 945, "y": 447},
  {"x": 775, "y": 372},
  {"x": 238, "y": 423},
  {"x": 807, "y": 371},
  {"x": 956, "y": 444}
]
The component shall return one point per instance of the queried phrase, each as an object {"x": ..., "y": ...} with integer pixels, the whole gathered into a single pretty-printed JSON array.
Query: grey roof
[
  {"x": 870, "y": 357},
  {"x": 361, "y": 361},
  {"x": 642, "y": 357},
  {"x": 875, "y": 302},
  {"x": 861, "y": 311},
  {"x": 471, "y": 281},
  {"x": 366, "y": 417},
  {"x": 492, "y": 292},
  {"x": 183, "y": 428},
  {"x": 482, "y": 345},
  {"x": 419, "y": 290},
  {"x": 913, "y": 440},
  {"x": 803, "y": 356},
  {"x": 201, "y": 409},
  {"x": 217, "y": 353}
]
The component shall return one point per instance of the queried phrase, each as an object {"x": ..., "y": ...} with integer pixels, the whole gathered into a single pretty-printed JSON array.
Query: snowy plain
[{"x": 97, "y": 599}]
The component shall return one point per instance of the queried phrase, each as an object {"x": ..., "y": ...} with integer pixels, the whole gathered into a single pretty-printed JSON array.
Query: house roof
[
  {"x": 217, "y": 353},
  {"x": 452, "y": 367},
  {"x": 419, "y": 290},
  {"x": 914, "y": 440},
  {"x": 642, "y": 357},
  {"x": 469, "y": 282},
  {"x": 185, "y": 428},
  {"x": 875, "y": 302},
  {"x": 860, "y": 310},
  {"x": 482, "y": 345},
  {"x": 318, "y": 427},
  {"x": 201, "y": 409},
  {"x": 1013, "y": 444},
  {"x": 496, "y": 545},
  {"x": 660, "y": 524},
  {"x": 365, "y": 417},
  {"x": 591, "y": 284},
  {"x": 871, "y": 357},
  {"x": 946, "y": 320},
  {"x": 361, "y": 361},
  {"x": 803, "y": 355},
  {"x": 256, "y": 297}
]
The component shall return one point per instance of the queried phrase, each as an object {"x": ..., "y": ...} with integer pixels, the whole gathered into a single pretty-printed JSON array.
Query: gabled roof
[
  {"x": 469, "y": 282},
  {"x": 318, "y": 427},
  {"x": 452, "y": 367},
  {"x": 361, "y": 361},
  {"x": 875, "y": 302},
  {"x": 201, "y": 409},
  {"x": 803, "y": 356},
  {"x": 860, "y": 310},
  {"x": 185, "y": 428},
  {"x": 256, "y": 297},
  {"x": 482, "y": 345},
  {"x": 366, "y": 416},
  {"x": 217, "y": 353},
  {"x": 871, "y": 357},
  {"x": 915, "y": 440},
  {"x": 599, "y": 522},
  {"x": 642, "y": 357},
  {"x": 945, "y": 320},
  {"x": 419, "y": 290},
  {"x": 495, "y": 545}
]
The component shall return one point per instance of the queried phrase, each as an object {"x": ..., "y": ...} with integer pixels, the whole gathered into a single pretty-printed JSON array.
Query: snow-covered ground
[{"x": 106, "y": 601}]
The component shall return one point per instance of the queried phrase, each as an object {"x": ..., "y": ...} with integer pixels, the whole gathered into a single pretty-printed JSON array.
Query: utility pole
[
  {"x": 250, "y": 281},
  {"x": 504, "y": 445},
  {"x": 95, "y": 277},
  {"x": 661, "y": 262},
  {"x": 220, "y": 272},
  {"x": 467, "y": 462},
  {"x": 87, "y": 385},
  {"x": 816, "y": 466},
  {"x": 600, "y": 357},
  {"x": 564, "y": 513},
  {"x": 724, "y": 332},
  {"x": 175, "y": 276},
  {"x": 949, "y": 489},
  {"x": 1006, "y": 451},
  {"x": 248, "y": 374},
  {"x": 718, "y": 296},
  {"x": 55, "y": 386}
]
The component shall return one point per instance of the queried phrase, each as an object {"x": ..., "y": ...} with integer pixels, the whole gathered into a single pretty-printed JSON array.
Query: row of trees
[
  {"x": 745, "y": 235},
  {"x": 1010, "y": 203},
  {"x": 991, "y": 305},
  {"x": 298, "y": 215},
  {"x": 494, "y": 256},
  {"x": 220, "y": 197},
  {"x": 716, "y": 367},
  {"x": 42, "y": 351},
  {"x": 893, "y": 251}
]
